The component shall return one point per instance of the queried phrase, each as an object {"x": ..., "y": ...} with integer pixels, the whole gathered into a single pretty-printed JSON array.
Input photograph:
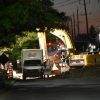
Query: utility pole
[
  {"x": 74, "y": 31},
  {"x": 78, "y": 22},
  {"x": 86, "y": 18},
  {"x": 72, "y": 28}
]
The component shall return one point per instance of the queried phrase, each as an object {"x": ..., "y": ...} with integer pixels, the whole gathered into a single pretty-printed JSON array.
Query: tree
[
  {"x": 17, "y": 16},
  {"x": 92, "y": 34},
  {"x": 27, "y": 40}
]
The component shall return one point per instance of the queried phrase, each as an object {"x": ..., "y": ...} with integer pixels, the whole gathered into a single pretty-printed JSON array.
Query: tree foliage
[
  {"x": 17, "y": 16},
  {"x": 28, "y": 40},
  {"x": 19, "y": 20}
]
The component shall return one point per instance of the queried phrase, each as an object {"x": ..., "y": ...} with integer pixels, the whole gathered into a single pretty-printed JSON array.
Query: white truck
[{"x": 32, "y": 63}]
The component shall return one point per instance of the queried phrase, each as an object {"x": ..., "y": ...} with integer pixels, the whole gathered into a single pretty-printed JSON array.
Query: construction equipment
[
  {"x": 56, "y": 68},
  {"x": 75, "y": 59}
]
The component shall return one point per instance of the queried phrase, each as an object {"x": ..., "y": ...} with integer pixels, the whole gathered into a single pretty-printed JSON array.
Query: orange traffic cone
[{"x": 10, "y": 72}]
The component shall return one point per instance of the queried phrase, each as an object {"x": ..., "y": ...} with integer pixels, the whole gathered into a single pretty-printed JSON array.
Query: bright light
[
  {"x": 49, "y": 43},
  {"x": 99, "y": 36}
]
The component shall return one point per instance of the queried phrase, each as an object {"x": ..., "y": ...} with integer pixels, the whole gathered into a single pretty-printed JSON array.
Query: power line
[
  {"x": 78, "y": 31},
  {"x": 80, "y": 2},
  {"x": 70, "y": 3},
  {"x": 57, "y": 3}
]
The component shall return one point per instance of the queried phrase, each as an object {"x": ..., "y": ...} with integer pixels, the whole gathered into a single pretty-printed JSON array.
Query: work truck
[{"x": 32, "y": 63}]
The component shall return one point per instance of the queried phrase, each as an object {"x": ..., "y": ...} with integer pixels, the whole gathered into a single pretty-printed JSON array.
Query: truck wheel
[
  {"x": 24, "y": 77},
  {"x": 42, "y": 76}
]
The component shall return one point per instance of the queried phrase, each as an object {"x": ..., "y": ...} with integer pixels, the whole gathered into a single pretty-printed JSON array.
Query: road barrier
[{"x": 10, "y": 72}]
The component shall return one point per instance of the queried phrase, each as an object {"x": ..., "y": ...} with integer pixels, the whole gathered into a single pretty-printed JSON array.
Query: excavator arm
[
  {"x": 65, "y": 37},
  {"x": 61, "y": 34}
]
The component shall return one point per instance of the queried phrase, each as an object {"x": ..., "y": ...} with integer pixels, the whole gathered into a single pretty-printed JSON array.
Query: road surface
[{"x": 53, "y": 89}]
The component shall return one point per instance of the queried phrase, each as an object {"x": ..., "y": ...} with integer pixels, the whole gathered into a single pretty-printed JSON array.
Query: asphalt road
[{"x": 53, "y": 89}]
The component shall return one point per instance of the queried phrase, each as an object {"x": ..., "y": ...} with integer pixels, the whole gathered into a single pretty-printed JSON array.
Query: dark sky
[{"x": 70, "y": 7}]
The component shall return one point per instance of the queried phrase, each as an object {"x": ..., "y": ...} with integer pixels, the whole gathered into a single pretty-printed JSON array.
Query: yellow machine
[{"x": 85, "y": 60}]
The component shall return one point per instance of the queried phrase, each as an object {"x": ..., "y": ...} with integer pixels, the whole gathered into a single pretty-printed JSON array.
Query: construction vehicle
[
  {"x": 60, "y": 66},
  {"x": 75, "y": 59},
  {"x": 79, "y": 60},
  {"x": 32, "y": 63}
]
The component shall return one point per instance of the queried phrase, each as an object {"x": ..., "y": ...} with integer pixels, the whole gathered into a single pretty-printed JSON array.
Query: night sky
[{"x": 70, "y": 8}]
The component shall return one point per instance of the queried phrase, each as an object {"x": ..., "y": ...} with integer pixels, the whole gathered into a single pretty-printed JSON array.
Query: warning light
[{"x": 49, "y": 44}]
